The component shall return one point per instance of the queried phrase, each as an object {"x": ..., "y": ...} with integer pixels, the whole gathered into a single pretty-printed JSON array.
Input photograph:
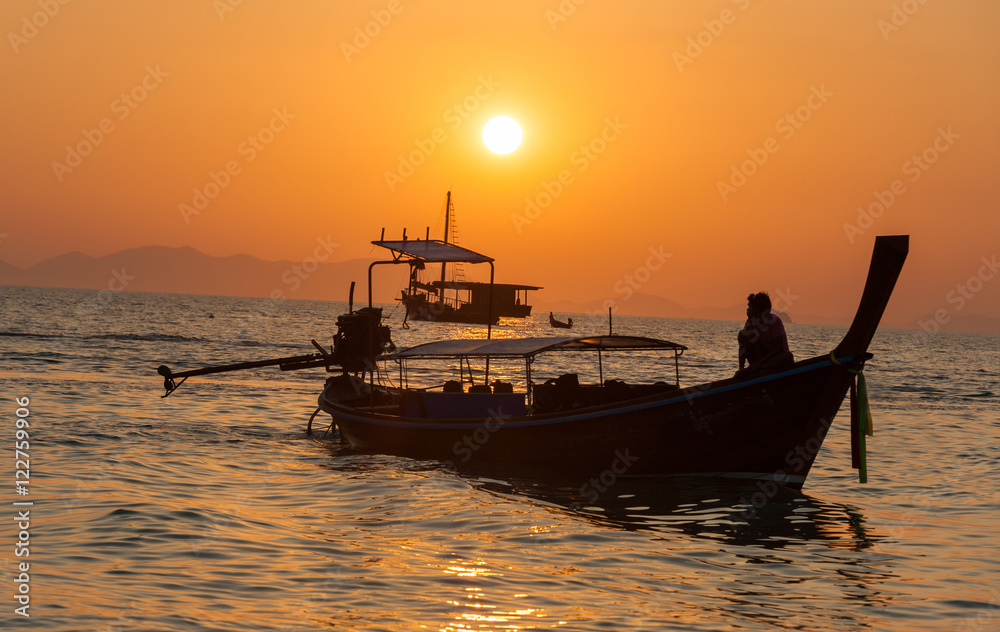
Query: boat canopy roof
[
  {"x": 529, "y": 347},
  {"x": 472, "y": 285},
  {"x": 432, "y": 251}
]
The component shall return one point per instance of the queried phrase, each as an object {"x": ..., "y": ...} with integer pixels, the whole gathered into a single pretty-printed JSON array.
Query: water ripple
[{"x": 210, "y": 510}]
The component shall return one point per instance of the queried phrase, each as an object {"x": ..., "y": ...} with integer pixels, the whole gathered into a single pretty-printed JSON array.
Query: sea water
[{"x": 212, "y": 510}]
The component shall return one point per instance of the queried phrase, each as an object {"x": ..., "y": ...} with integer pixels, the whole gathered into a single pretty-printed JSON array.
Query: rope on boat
[
  {"x": 383, "y": 370},
  {"x": 309, "y": 425},
  {"x": 861, "y": 417}
]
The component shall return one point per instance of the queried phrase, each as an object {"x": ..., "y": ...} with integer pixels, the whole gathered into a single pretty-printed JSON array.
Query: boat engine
[{"x": 361, "y": 336}]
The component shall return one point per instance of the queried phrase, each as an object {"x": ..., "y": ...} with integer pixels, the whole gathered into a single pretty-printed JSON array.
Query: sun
[{"x": 502, "y": 135}]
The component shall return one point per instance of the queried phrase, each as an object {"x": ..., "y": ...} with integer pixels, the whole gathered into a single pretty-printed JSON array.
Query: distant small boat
[{"x": 558, "y": 324}]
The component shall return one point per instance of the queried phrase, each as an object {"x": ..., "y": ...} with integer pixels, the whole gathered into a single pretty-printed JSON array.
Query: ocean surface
[{"x": 212, "y": 509}]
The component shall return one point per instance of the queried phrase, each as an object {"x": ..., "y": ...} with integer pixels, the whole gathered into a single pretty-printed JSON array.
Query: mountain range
[{"x": 185, "y": 270}]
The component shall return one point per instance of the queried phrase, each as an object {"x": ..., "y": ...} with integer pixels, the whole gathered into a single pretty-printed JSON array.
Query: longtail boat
[
  {"x": 560, "y": 324},
  {"x": 767, "y": 426}
]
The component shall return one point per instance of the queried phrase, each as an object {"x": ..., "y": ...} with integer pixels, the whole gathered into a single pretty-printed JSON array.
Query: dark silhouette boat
[
  {"x": 558, "y": 324},
  {"x": 766, "y": 427},
  {"x": 453, "y": 299}
]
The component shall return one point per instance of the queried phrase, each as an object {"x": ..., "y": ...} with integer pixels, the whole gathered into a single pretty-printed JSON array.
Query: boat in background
[
  {"x": 558, "y": 324},
  {"x": 453, "y": 299}
]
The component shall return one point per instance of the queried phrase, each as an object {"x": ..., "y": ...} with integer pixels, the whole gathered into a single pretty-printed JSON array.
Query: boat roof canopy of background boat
[
  {"x": 410, "y": 251},
  {"x": 431, "y": 251},
  {"x": 436, "y": 251}
]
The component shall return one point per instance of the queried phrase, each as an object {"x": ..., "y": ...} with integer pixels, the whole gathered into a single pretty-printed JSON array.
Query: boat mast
[{"x": 447, "y": 227}]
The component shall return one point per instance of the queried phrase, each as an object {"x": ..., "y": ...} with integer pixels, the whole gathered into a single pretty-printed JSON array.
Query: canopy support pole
[
  {"x": 600, "y": 367},
  {"x": 489, "y": 316},
  {"x": 371, "y": 325},
  {"x": 527, "y": 378}
]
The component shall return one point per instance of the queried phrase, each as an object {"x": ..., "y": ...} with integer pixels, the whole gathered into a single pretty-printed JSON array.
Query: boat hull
[
  {"x": 422, "y": 309},
  {"x": 426, "y": 307},
  {"x": 770, "y": 427}
]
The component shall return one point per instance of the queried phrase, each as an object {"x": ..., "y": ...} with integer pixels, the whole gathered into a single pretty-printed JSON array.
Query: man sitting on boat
[
  {"x": 763, "y": 343},
  {"x": 558, "y": 323}
]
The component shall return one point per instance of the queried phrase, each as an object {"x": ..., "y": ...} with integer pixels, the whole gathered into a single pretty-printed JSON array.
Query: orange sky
[{"x": 310, "y": 114}]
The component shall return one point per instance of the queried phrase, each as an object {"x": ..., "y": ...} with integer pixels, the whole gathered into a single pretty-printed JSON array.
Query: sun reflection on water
[{"x": 474, "y": 612}]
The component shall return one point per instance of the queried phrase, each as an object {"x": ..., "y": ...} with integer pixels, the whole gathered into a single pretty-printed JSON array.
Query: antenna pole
[{"x": 447, "y": 227}]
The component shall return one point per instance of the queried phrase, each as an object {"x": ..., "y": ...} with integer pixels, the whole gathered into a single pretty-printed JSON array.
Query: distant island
[{"x": 185, "y": 270}]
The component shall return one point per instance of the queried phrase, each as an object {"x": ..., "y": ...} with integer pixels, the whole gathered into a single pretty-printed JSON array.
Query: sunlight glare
[{"x": 502, "y": 135}]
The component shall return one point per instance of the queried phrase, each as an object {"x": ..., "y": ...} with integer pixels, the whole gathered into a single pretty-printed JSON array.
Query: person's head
[{"x": 758, "y": 304}]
